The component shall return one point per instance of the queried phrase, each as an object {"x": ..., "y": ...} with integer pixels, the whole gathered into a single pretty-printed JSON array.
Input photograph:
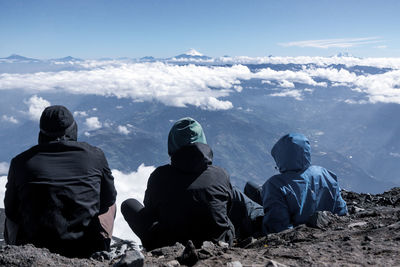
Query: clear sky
[{"x": 164, "y": 28}]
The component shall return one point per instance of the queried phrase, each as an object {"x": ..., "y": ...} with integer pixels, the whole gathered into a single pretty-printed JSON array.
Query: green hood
[{"x": 185, "y": 131}]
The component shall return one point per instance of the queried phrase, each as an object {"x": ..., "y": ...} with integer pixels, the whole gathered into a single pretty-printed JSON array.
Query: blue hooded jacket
[{"x": 290, "y": 198}]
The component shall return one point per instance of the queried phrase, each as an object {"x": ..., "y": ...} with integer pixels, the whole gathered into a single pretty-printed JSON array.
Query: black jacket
[
  {"x": 55, "y": 192},
  {"x": 190, "y": 199}
]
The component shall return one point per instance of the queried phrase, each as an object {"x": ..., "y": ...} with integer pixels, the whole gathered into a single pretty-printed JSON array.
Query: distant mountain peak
[
  {"x": 18, "y": 58},
  {"x": 68, "y": 59},
  {"x": 193, "y": 52},
  {"x": 344, "y": 54}
]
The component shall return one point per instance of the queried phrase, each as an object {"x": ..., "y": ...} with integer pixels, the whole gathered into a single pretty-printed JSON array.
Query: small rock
[
  {"x": 346, "y": 238},
  {"x": 394, "y": 226},
  {"x": 355, "y": 209},
  {"x": 223, "y": 244},
  {"x": 189, "y": 255},
  {"x": 367, "y": 238},
  {"x": 132, "y": 258},
  {"x": 320, "y": 219},
  {"x": 234, "y": 264},
  {"x": 357, "y": 224},
  {"x": 208, "y": 245},
  {"x": 172, "y": 263},
  {"x": 272, "y": 263}
]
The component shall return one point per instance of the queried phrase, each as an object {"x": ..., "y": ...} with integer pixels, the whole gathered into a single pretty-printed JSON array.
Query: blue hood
[{"x": 292, "y": 153}]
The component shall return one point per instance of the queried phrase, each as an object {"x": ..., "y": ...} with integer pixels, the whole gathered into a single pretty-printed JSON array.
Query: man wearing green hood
[{"x": 188, "y": 199}]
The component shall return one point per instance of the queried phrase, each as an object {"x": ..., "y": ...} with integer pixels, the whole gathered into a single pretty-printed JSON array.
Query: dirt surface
[{"x": 369, "y": 235}]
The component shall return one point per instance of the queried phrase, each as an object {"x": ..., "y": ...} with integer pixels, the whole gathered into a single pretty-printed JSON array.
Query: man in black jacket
[
  {"x": 60, "y": 193},
  {"x": 189, "y": 199}
]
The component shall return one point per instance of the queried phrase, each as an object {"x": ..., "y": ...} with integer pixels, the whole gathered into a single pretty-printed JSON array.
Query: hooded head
[
  {"x": 185, "y": 131},
  {"x": 57, "y": 122},
  {"x": 292, "y": 153}
]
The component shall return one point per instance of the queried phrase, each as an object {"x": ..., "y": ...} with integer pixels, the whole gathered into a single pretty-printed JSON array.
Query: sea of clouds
[{"x": 205, "y": 86}]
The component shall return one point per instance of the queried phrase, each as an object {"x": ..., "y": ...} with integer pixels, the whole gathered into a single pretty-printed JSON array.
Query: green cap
[{"x": 185, "y": 131}]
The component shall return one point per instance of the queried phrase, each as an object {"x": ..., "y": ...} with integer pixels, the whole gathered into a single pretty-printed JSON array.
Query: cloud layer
[{"x": 204, "y": 86}]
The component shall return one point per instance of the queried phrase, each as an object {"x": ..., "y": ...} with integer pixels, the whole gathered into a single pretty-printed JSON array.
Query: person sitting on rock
[
  {"x": 300, "y": 190},
  {"x": 60, "y": 193},
  {"x": 188, "y": 199}
]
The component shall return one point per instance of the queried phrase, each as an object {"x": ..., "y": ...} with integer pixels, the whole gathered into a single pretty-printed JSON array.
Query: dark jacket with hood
[
  {"x": 290, "y": 198},
  {"x": 56, "y": 189},
  {"x": 190, "y": 198}
]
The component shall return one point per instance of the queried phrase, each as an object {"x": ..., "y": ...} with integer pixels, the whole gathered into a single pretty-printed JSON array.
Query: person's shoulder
[
  {"x": 88, "y": 148},
  {"x": 279, "y": 178},
  {"x": 315, "y": 169},
  {"x": 160, "y": 175},
  {"x": 26, "y": 154},
  {"x": 161, "y": 171},
  {"x": 218, "y": 170}
]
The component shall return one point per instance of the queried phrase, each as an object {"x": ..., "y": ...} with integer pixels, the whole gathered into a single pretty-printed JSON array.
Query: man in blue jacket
[{"x": 300, "y": 190}]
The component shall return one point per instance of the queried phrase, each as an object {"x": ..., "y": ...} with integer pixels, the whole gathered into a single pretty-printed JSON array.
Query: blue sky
[{"x": 164, "y": 28}]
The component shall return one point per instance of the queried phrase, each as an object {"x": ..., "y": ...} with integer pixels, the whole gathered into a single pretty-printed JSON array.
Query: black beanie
[{"x": 55, "y": 122}]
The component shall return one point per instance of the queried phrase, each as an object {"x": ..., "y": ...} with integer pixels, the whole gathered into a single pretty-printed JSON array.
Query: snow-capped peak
[{"x": 192, "y": 52}]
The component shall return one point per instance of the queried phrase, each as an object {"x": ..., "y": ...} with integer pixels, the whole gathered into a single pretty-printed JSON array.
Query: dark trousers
[
  {"x": 246, "y": 215},
  {"x": 143, "y": 225},
  {"x": 254, "y": 192}
]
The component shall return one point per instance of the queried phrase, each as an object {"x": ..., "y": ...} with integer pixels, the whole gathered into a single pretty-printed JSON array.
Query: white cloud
[
  {"x": 206, "y": 86},
  {"x": 93, "y": 123},
  {"x": 286, "y": 84},
  {"x": 11, "y": 119},
  {"x": 36, "y": 105},
  {"x": 80, "y": 114},
  {"x": 3, "y": 182},
  {"x": 336, "y": 43},
  {"x": 129, "y": 185},
  {"x": 172, "y": 85},
  {"x": 123, "y": 130},
  {"x": 296, "y": 94},
  {"x": 4, "y": 168}
]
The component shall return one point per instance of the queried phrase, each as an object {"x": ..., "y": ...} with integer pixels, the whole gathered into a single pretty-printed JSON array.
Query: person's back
[
  {"x": 290, "y": 198},
  {"x": 57, "y": 189},
  {"x": 191, "y": 198},
  {"x": 188, "y": 199}
]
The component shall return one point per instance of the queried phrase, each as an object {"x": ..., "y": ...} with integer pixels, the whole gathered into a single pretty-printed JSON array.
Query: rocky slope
[{"x": 369, "y": 235}]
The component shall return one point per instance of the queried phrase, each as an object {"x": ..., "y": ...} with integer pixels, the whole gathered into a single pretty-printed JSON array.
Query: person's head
[
  {"x": 292, "y": 152},
  {"x": 185, "y": 131},
  {"x": 57, "y": 123}
]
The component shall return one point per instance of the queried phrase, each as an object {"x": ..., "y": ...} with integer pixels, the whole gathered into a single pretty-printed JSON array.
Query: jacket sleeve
[
  {"x": 340, "y": 205},
  {"x": 277, "y": 216},
  {"x": 150, "y": 197},
  {"x": 220, "y": 205},
  {"x": 108, "y": 194},
  {"x": 11, "y": 196}
]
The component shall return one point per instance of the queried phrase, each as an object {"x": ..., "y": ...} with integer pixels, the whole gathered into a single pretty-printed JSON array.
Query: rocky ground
[{"x": 369, "y": 235}]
